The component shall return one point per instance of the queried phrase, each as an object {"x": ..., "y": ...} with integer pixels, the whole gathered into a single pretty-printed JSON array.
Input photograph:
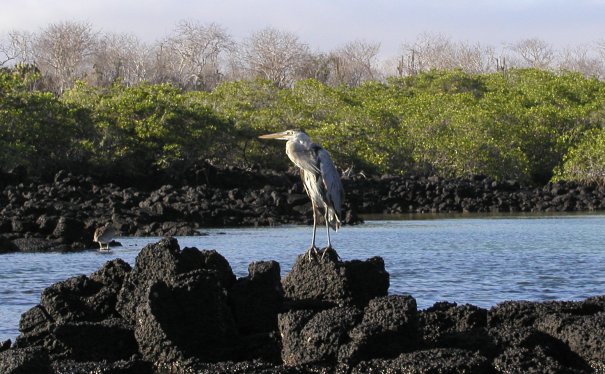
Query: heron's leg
[
  {"x": 328, "y": 230},
  {"x": 329, "y": 247},
  {"x": 313, "y": 249},
  {"x": 100, "y": 246}
]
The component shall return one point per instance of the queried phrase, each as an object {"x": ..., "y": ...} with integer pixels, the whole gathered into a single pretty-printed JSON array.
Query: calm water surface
[{"x": 477, "y": 260}]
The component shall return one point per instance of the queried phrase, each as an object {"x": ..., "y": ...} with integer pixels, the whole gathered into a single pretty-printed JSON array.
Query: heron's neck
[{"x": 306, "y": 142}]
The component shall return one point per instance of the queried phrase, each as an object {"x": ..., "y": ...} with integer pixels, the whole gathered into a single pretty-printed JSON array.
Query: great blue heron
[
  {"x": 319, "y": 176},
  {"x": 104, "y": 235}
]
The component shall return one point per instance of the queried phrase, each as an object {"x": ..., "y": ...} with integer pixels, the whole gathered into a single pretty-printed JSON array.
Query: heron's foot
[
  {"x": 331, "y": 253},
  {"x": 312, "y": 252}
]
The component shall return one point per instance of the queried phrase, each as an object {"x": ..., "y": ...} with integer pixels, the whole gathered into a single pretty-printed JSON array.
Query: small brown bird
[{"x": 104, "y": 235}]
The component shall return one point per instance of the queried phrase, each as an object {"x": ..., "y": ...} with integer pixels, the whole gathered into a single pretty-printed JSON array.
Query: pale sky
[{"x": 328, "y": 24}]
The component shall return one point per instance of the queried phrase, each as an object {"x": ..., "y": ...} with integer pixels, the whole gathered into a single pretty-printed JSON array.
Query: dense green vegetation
[{"x": 526, "y": 124}]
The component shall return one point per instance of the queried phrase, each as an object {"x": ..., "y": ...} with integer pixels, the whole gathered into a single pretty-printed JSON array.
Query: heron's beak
[{"x": 278, "y": 135}]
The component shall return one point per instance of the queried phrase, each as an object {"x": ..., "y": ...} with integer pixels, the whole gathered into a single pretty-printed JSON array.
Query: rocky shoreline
[
  {"x": 184, "y": 311},
  {"x": 62, "y": 214}
]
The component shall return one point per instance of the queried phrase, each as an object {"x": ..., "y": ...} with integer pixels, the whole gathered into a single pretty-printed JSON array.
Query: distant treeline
[
  {"x": 197, "y": 56},
  {"x": 526, "y": 124}
]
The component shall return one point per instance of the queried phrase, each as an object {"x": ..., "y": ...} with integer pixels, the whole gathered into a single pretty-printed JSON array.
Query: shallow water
[{"x": 463, "y": 259}]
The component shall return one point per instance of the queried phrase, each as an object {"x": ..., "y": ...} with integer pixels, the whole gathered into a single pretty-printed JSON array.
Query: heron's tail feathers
[{"x": 333, "y": 219}]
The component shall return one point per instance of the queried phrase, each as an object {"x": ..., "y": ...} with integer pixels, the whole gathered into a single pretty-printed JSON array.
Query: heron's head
[{"x": 287, "y": 135}]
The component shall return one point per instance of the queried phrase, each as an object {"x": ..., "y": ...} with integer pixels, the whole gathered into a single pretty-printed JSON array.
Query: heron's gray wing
[
  {"x": 303, "y": 157},
  {"x": 331, "y": 180}
]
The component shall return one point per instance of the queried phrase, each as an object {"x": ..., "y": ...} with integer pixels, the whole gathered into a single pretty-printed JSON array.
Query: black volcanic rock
[
  {"x": 7, "y": 245},
  {"x": 25, "y": 361},
  {"x": 327, "y": 281},
  {"x": 73, "y": 312},
  {"x": 439, "y": 360},
  {"x": 345, "y": 335},
  {"x": 131, "y": 366},
  {"x": 187, "y": 318},
  {"x": 447, "y": 325},
  {"x": 316, "y": 337},
  {"x": 562, "y": 326},
  {"x": 69, "y": 230},
  {"x": 66, "y": 210},
  {"x": 155, "y": 262},
  {"x": 529, "y": 350},
  {"x": 183, "y": 311},
  {"x": 110, "y": 339},
  {"x": 389, "y": 327},
  {"x": 257, "y": 299},
  {"x": 164, "y": 261},
  {"x": 34, "y": 245}
]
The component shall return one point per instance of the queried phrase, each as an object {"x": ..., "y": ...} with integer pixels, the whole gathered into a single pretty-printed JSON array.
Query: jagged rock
[
  {"x": 257, "y": 299},
  {"x": 69, "y": 230},
  {"x": 583, "y": 334},
  {"x": 447, "y": 325},
  {"x": 112, "y": 274},
  {"x": 77, "y": 299},
  {"x": 549, "y": 336},
  {"x": 57, "y": 209},
  {"x": 26, "y": 360},
  {"x": 7, "y": 246},
  {"x": 388, "y": 328},
  {"x": 110, "y": 339},
  {"x": 5, "y": 345},
  {"x": 230, "y": 367},
  {"x": 316, "y": 337},
  {"x": 46, "y": 224},
  {"x": 21, "y": 225},
  {"x": 439, "y": 360},
  {"x": 193, "y": 259},
  {"x": 329, "y": 281},
  {"x": 183, "y": 311},
  {"x": 155, "y": 262},
  {"x": 34, "y": 245},
  {"x": 187, "y": 318},
  {"x": 164, "y": 261},
  {"x": 369, "y": 279},
  {"x": 131, "y": 366},
  {"x": 527, "y": 350}
]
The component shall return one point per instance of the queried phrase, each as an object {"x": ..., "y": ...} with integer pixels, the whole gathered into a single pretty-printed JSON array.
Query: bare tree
[
  {"x": 355, "y": 63},
  {"x": 7, "y": 52},
  {"x": 316, "y": 66},
  {"x": 429, "y": 51},
  {"x": 474, "y": 58},
  {"x": 274, "y": 55},
  {"x": 17, "y": 48},
  {"x": 62, "y": 52},
  {"x": 195, "y": 51},
  {"x": 120, "y": 58},
  {"x": 532, "y": 52},
  {"x": 600, "y": 47},
  {"x": 582, "y": 60},
  {"x": 437, "y": 51}
]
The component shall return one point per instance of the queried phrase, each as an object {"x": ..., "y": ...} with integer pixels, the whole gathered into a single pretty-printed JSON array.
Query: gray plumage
[{"x": 319, "y": 176}]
